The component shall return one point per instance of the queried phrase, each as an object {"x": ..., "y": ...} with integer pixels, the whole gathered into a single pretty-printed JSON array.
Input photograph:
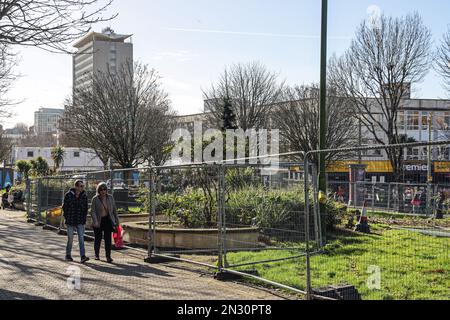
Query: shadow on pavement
[{"x": 10, "y": 295}]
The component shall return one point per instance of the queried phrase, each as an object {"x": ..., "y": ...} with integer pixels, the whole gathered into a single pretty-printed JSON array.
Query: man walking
[{"x": 75, "y": 208}]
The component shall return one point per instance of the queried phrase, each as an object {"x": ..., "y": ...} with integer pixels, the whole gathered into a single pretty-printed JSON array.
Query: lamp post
[
  {"x": 323, "y": 98},
  {"x": 430, "y": 163}
]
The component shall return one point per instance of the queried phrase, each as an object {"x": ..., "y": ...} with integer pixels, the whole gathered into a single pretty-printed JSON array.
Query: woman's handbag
[
  {"x": 118, "y": 238},
  {"x": 114, "y": 227}
]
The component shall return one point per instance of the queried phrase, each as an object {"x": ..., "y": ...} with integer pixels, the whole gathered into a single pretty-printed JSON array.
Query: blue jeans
[{"x": 80, "y": 231}]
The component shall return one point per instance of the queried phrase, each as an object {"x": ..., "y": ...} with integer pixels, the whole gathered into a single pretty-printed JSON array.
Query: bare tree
[
  {"x": 7, "y": 77},
  {"x": 159, "y": 145},
  {"x": 250, "y": 88},
  {"x": 115, "y": 116},
  {"x": 5, "y": 146},
  {"x": 49, "y": 24},
  {"x": 298, "y": 120},
  {"x": 442, "y": 64},
  {"x": 384, "y": 59},
  {"x": 47, "y": 140}
]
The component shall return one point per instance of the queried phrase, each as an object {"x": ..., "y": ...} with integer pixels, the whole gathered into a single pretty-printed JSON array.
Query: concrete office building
[
  {"x": 100, "y": 52},
  {"x": 46, "y": 120},
  {"x": 412, "y": 122}
]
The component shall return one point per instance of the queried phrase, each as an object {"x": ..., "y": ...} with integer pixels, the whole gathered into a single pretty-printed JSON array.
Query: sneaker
[
  {"x": 84, "y": 259},
  {"x": 69, "y": 259},
  {"x": 109, "y": 260},
  {"x": 97, "y": 258}
]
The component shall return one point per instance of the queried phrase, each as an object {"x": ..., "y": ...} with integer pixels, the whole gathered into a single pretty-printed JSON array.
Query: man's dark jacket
[{"x": 75, "y": 209}]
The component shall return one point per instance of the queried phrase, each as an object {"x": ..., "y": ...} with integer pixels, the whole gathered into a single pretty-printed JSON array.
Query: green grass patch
[
  {"x": 135, "y": 210},
  {"x": 413, "y": 266}
]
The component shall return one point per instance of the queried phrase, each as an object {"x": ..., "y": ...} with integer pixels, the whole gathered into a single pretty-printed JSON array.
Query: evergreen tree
[{"x": 228, "y": 117}]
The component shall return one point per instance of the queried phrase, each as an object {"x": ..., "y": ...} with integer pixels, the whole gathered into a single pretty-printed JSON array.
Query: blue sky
[{"x": 190, "y": 43}]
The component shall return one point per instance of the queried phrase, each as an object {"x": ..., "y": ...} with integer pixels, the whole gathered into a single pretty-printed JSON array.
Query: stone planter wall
[
  {"x": 123, "y": 218},
  {"x": 191, "y": 239}
]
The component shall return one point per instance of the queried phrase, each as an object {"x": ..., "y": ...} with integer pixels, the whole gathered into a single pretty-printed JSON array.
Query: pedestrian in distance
[
  {"x": 416, "y": 203},
  {"x": 75, "y": 211},
  {"x": 423, "y": 202},
  {"x": 104, "y": 219}
]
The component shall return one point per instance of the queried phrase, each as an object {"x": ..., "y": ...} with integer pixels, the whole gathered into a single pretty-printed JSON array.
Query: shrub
[
  {"x": 264, "y": 208},
  {"x": 271, "y": 210},
  {"x": 190, "y": 208}
]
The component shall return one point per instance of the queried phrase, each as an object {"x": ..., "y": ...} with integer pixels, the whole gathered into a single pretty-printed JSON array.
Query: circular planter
[
  {"x": 123, "y": 218},
  {"x": 191, "y": 239}
]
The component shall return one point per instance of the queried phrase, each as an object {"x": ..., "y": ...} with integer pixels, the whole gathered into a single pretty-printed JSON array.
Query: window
[
  {"x": 30, "y": 154},
  {"x": 76, "y": 154},
  {"x": 447, "y": 118},
  {"x": 425, "y": 116},
  {"x": 401, "y": 121},
  {"x": 413, "y": 120},
  {"x": 413, "y": 154},
  {"x": 376, "y": 153}
]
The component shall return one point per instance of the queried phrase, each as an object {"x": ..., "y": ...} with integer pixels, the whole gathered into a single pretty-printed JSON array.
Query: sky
[{"x": 191, "y": 42}]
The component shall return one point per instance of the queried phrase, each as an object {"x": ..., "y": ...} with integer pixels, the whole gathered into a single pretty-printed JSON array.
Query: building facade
[
  {"x": 46, "y": 120},
  {"x": 100, "y": 52},
  {"x": 413, "y": 123},
  {"x": 75, "y": 159}
]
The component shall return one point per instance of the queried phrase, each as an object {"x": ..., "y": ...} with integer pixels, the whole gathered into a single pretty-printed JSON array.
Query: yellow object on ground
[
  {"x": 322, "y": 197},
  {"x": 56, "y": 212}
]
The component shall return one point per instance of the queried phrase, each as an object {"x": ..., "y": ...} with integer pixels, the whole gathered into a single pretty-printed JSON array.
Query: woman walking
[{"x": 104, "y": 219}]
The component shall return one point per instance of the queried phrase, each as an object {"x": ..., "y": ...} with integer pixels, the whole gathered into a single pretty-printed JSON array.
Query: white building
[
  {"x": 46, "y": 120},
  {"x": 75, "y": 159},
  {"x": 100, "y": 52}
]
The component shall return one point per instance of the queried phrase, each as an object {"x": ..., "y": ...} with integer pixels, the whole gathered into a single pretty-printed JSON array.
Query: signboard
[
  {"x": 384, "y": 166},
  {"x": 372, "y": 166},
  {"x": 442, "y": 167}
]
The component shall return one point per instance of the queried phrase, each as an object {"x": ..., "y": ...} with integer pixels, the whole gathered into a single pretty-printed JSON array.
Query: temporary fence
[
  {"x": 270, "y": 224},
  {"x": 391, "y": 240},
  {"x": 395, "y": 197}
]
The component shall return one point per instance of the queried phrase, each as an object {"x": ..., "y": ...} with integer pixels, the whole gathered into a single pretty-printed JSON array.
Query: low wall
[
  {"x": 123, "y": 218},
  {"x": 191, "y": 239}
]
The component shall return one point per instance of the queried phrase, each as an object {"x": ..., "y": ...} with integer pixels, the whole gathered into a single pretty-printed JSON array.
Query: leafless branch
[
  {"x": 252, "y": 90},
  {"x": 376, "y": 72},
  {"x": 122, "y": 115},
  {"x": 298, "y": 120},
  {"x": 7, "y": 77},
  {"x": 49, "y": 24},
  {"x": 442, "y": 64}
]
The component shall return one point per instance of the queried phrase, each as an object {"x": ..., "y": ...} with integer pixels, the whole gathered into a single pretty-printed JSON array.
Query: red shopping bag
[{"x": 118, "y": 238}]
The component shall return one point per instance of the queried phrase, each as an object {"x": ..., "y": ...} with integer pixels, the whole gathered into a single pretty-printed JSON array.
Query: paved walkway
[{"x": 32, "y": 267}]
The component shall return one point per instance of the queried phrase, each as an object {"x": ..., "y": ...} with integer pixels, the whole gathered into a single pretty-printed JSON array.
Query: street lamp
[
  {"x": 323, "y": 98},
  {"x": 429, "y": 163}
]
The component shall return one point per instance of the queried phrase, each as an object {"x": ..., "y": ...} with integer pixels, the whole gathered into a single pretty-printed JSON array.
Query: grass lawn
[{"x": 413, "y": 266}]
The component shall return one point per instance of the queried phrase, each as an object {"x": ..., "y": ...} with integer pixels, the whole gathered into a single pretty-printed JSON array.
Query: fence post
[
  {"x": 46, "y": 202},
  {"x": 317, "y": 231},
  {"x": 389, "y": 197},
  {"x": 373, "y": 198},
  {"x": 28, "y": 193},
  {"x": 220, "y": 218},
  {"x": 39, "y": 200},
  {"x": 435, "y": 194},
  {"x": 152, "y": 215},
  {"x": 111, "y": 177},
  {"x": 61, "y": 218},
  {"x": 308, "y": 266}
]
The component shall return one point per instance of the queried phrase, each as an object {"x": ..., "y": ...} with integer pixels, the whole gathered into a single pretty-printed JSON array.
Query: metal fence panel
[{"x": 395, "y": 245}]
